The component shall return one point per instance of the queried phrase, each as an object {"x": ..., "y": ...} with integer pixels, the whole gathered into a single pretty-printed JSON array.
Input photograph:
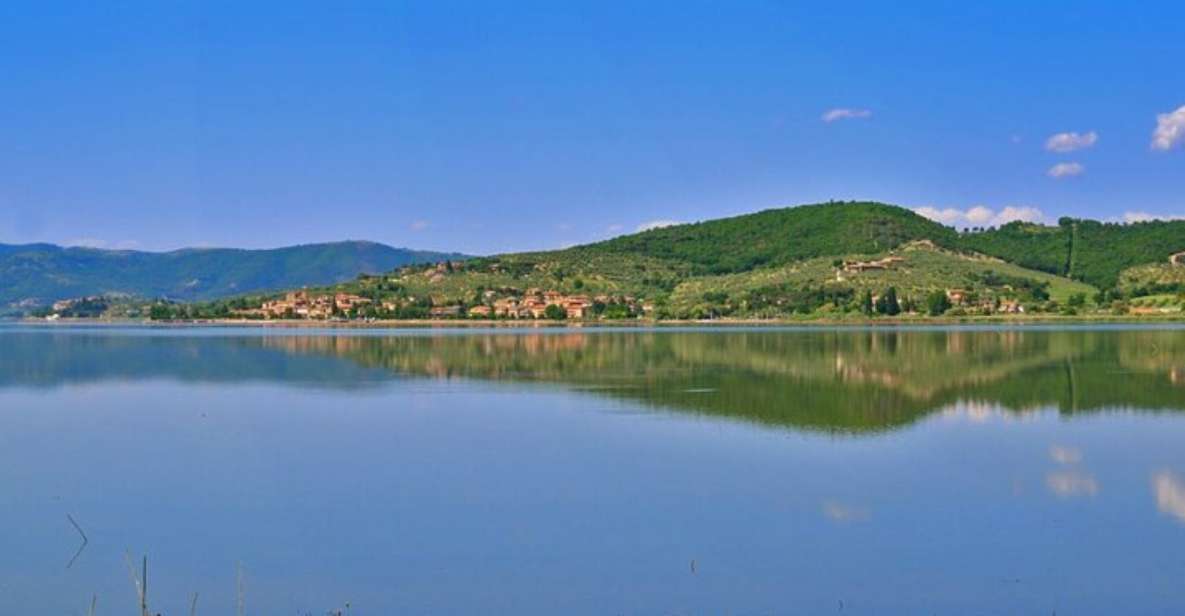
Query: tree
[
  {"x": 937, "y": 303},
  {"x": 160, "y": 312},
  {"x": 555, "y": 313},
  {"x": 866, "y": 303},
  {"x": 887, "y": 304}
]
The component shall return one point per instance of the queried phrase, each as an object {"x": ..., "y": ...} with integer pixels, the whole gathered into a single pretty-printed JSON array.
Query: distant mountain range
[{"x": 34, "y": 275}]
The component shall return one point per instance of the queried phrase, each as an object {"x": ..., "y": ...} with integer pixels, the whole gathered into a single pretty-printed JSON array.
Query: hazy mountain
[{"x": 37, "y": 274}]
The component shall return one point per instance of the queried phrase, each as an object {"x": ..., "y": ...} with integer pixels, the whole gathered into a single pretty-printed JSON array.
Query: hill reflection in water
[{"x": 821, "y": 380}]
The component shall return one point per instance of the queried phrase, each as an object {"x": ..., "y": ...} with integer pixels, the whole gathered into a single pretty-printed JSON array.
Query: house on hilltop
[{"x": 855, "y": 267}]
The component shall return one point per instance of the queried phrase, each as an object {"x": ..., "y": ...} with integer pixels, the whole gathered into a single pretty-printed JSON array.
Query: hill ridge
[{"x": 38, "y": 274}]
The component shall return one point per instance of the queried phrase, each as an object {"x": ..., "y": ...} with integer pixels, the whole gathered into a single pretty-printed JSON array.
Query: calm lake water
[{"x": 740, "y": 471}]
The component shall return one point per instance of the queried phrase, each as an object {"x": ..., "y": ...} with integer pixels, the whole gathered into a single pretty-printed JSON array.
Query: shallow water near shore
[{"x": 994, "y": 470}]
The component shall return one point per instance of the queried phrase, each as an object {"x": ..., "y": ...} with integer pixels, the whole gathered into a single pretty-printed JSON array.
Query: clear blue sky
[{"x": 486, "y": 127}]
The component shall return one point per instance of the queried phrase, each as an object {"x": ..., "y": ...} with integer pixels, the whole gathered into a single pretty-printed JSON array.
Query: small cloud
[
  {"x": 1069, "y": 484},
  {"x": 1132, "y": 217},
  {"x": 1170, "y": 494},
  {"x": 840, "y": 512},
  {"x": 1065, "y": 455},
  {"x": 981, "y": 216},
  {"x": 1013, "y": 214},
  {"x": 419, "y": 225},
  {"x": 833, "y": 115},
  {"x": 950, "y": 217},
  {"x": 1069, "y": 142},
  {"x": 1016, "y": 139},
  {"x": 1065, "y": 170},
  {"x": 615, "y": 228},
  {"x": 657, "y": 224},
  {"x": 87, "y": 242},
  {"x": 1170, "y": 130},
  {"x": 564, "y": 226}
]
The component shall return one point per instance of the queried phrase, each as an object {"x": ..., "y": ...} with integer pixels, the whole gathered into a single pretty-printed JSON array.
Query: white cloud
[
  {"x": 1130, "y": 217},
  {"x": 843, "y": 113},
  {"x": 657, "y": 224},
  {"x": 1065, "y": 170},
  {"x": 1013, "y": 214},
  {"x": 1068, "y": 142},
  {"x": 1170, "y": 494},
  {"x": 1170, "y": 130},
  {"x": 419, "y": 225},
  {"x": 614, "y": 228},
  {"x": 949, "y": 216},
  {"x": 981, "y": 216},
  {"x": 87, "y": 242}
]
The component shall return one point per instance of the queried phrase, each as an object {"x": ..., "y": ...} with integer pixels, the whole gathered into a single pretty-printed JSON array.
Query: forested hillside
[
  {"x": 781, "y": 236},
  {"x": 1086, "y": 250}
]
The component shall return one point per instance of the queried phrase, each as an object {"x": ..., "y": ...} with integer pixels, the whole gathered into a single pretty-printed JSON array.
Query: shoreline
[{"x": 822, "y": 322}]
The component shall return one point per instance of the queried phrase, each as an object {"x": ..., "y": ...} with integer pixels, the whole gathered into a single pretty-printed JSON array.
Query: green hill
[
  {"x": 771, "y": 264},
  {"x": 1085, "y": 250},
  {"x": 38, "y": 274},
  {"x": 781, "y": 236}
]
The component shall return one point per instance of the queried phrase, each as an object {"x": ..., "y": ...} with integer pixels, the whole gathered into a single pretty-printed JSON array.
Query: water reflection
[
  {"x": 476, "y": 472},
  {"x": 826, "y": 380},
  {"x": 1170, "y": 494}
]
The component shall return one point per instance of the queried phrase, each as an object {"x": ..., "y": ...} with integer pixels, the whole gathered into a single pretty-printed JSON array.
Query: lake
[{"x": 1023, "y": 470}]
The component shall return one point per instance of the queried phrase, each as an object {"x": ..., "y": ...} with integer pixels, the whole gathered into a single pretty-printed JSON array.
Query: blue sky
[{"x": 487, "y": 127}]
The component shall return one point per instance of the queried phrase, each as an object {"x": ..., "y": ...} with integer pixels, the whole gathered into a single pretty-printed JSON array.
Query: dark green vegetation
[
  {"x": 39, "y": 274},
  {"x": 1093, "y": 252},
  {"x": 780, "y": 237},
  {"x": 823, "y": 380}
]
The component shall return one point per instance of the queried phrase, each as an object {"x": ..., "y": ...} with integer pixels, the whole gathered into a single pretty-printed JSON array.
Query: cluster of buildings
[
  {"x": 67, "y": 304},
  {"x": 533, "y": 305},
  {"x": 959, "y": 297},
  {"x": 302, "y": 305}
]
